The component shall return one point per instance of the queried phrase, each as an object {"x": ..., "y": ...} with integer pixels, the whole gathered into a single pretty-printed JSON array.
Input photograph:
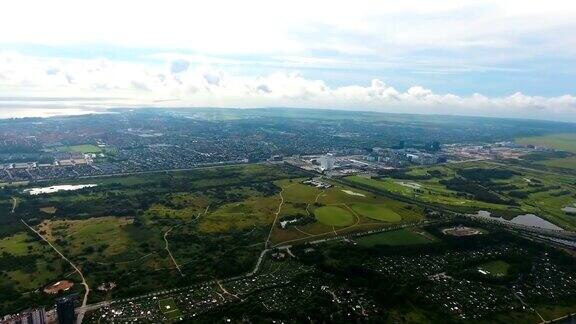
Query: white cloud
[
  {"x": 386, "y": 29},
  {"x": 179, "y": 83},
  {"x": 508, "y": 44}
]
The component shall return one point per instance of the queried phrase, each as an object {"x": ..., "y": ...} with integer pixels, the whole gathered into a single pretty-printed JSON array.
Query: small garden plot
[
  {"x": 169, "y": 309},
  {"x": 394, "y": 238},
  {"x": 497, "y": 268}
]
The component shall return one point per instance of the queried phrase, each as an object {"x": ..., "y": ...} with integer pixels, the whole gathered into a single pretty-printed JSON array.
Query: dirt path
[
  {"x": 315, "y": 201},
  {"x": 333, "y": 230},
  {"x": 226, "y": 291},
  {"x": 528, "y": 306},
  {"x": 129, "y": 261},
  {"x": 81, "y": 310},
  {"x": 287, "y": 249},
  {"x": 275, "y": 218},
  {"x": 167, "y": 248},
  {"x": 560, "y": 318},
  {"x": 309, "y": 214},
  {"x": 301, "y": 231},
  {"x": 267, "y": 242}
]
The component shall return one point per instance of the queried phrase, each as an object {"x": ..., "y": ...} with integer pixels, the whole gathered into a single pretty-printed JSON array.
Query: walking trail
[{"x": 84, "y": 283}]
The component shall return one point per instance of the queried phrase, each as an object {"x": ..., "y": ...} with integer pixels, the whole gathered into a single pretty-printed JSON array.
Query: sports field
[
  {"x": 395, "y": 238},
  {"x": 334, "y": 216},
  {"x": 169, "y": 309},
  {"x": 496, "y": 268}
]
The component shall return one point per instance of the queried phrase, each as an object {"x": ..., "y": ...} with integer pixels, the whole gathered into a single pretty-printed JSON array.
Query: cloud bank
[
  {"x": 412, "y": 56},
  {"x": 181, "y": 83}
]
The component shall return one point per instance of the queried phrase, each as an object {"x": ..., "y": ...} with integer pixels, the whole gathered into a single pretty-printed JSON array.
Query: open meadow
[
  {"x": 309, "y": 212},
  {"x": 565, "y": 142},
  {"x": 501, "y": 189},
  {"x": 399, "y": 237},
  {"x": 138, "y": 233}
]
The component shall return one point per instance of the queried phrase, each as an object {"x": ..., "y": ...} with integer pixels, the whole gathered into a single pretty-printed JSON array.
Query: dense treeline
[
  {"x": 26, "y": 263},
  {"x": 402, "y": 174},
  {"x": 483, "y": 175},
  {"x": 125, "y": 199},
  {"x": 393, "y": 291},
  {"x": 477, "y": 191}
]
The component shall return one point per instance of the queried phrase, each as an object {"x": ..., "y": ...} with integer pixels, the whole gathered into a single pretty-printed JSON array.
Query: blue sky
[{"x": 494, "y": 58}]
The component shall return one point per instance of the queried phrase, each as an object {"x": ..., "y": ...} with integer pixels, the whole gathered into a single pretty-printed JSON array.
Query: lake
[
  {"x": 526, "y": 219},
  {"x": 44, "y": 190},
  {"x": 535, "y": 221}
]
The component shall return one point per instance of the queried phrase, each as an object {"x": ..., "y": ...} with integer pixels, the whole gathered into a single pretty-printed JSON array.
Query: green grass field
[
  {"x": 85, "y": 148},
  {"x": 211, "y": 214},
  {"x": 542, "y": 193},
  {"x": 161, "y": 211},
  {"x": 497, "y": 268},
  {"x": 309, "y": 204},
  {"x": 566, "y": 142},
  {"x": 395, "y": 238},
  {"x": 80, "y": 234},
  {"x": 18, "y": 244},
  {"x": 105, "y": 240},
  {"x": 254, "y": 211},
  {"x": 169, "y": 308},
  {"x": 430, "y": 191},
  {"x": 334, "y": 216},
  {"x": 213, "y": 220},
  {"x": 565, "y": 163},
  {"x": 26, "y": 264},
  {"x": 298, "y": 192},
  {"x": 377, "y": 211}
]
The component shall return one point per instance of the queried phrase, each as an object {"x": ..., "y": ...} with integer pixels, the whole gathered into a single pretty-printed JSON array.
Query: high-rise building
[
  {"x": 37, "y": 316},
  {"x": 65, "y": 309},
  {"x": 32, "y": 316}
]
